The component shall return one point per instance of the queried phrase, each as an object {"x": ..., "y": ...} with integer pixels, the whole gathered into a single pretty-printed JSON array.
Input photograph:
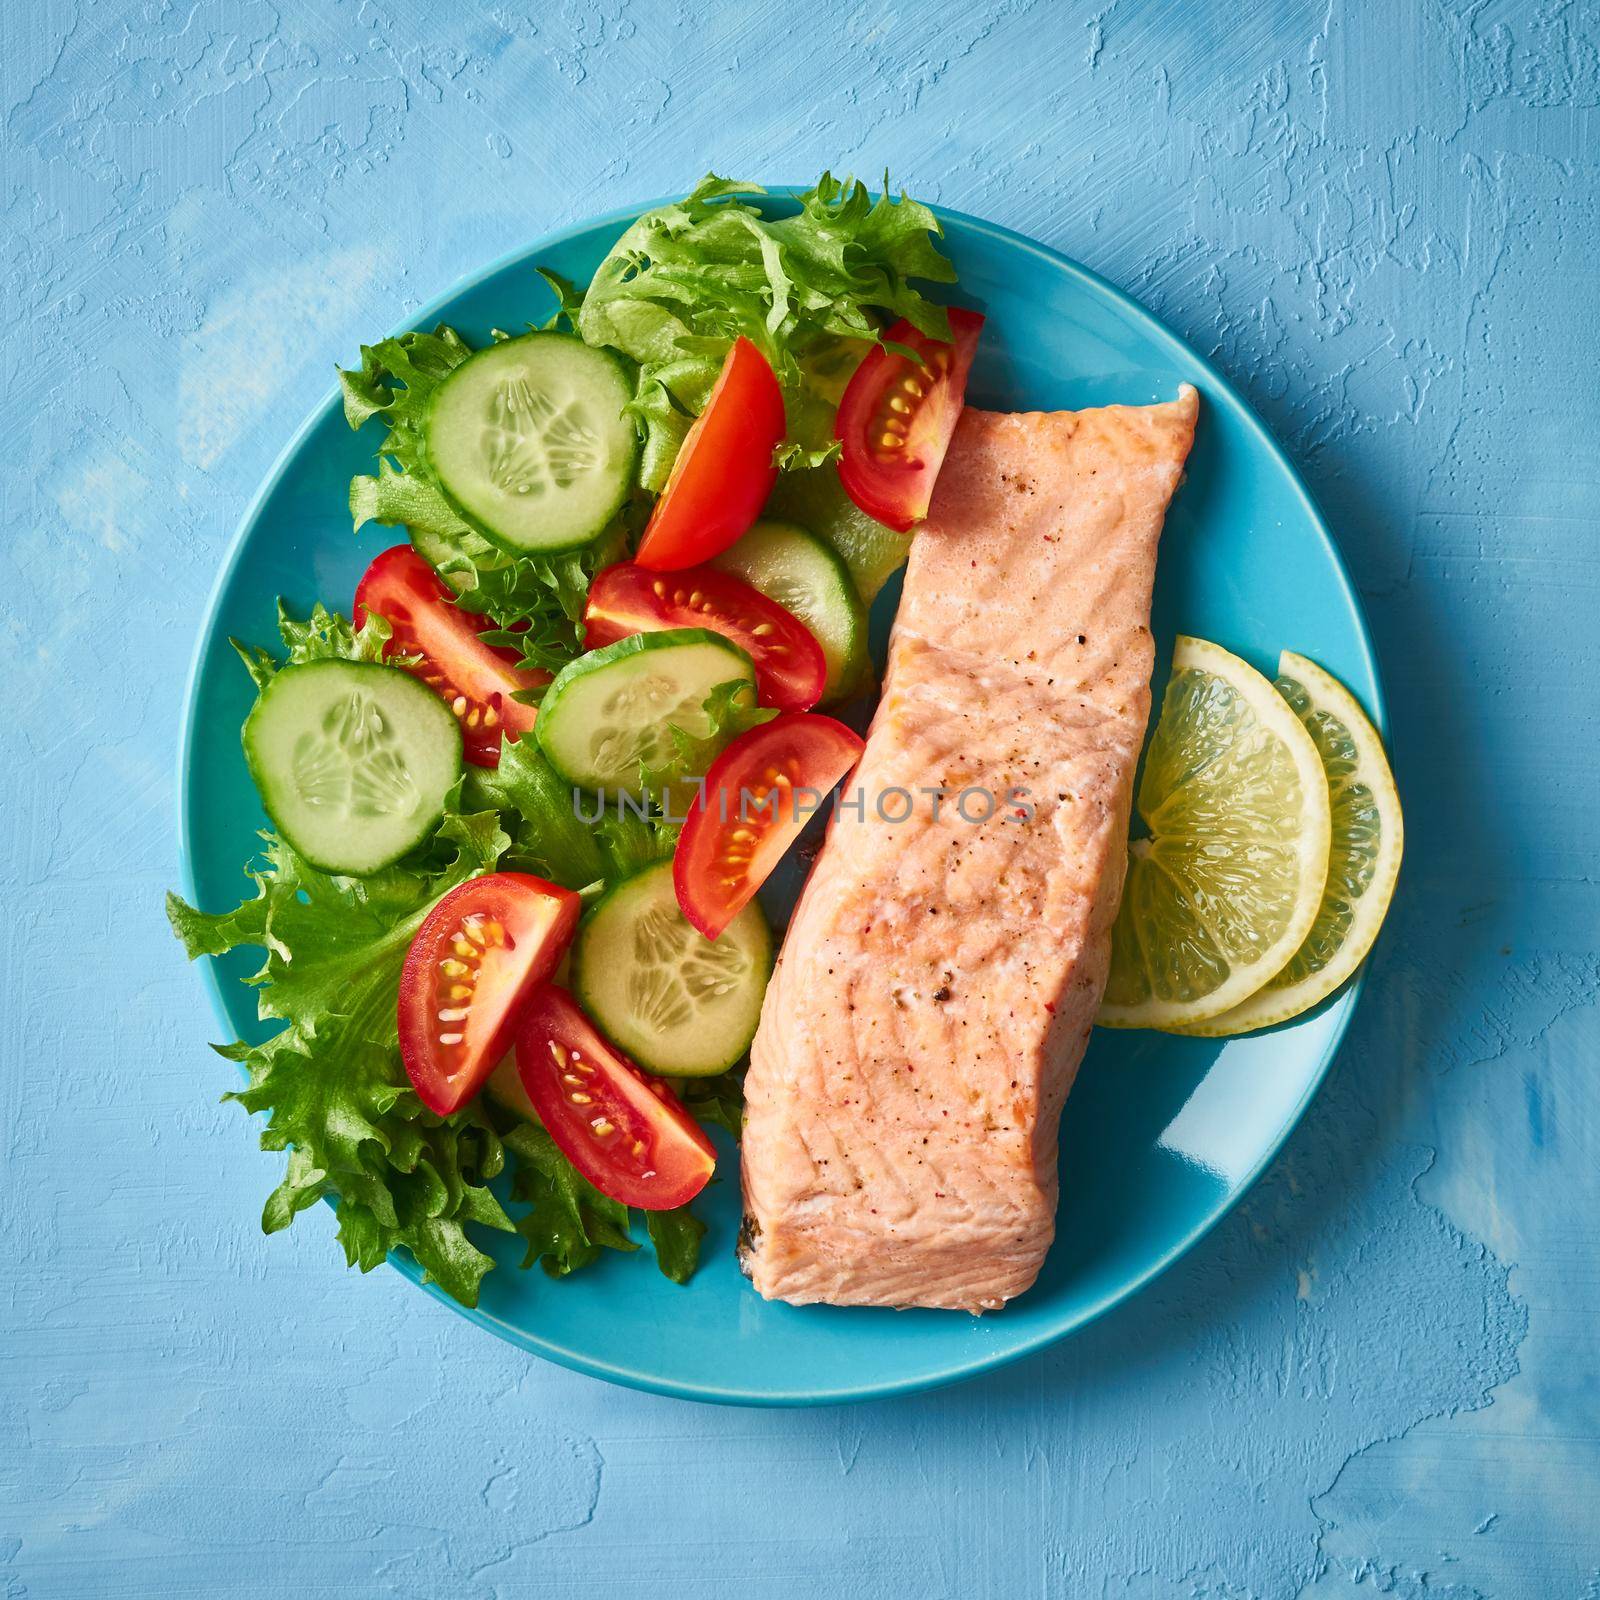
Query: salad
[{"x": 506, "y": 907}]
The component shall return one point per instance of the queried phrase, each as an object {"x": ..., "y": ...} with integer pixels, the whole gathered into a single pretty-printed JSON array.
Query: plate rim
[{"x": 1219, "y": 391}]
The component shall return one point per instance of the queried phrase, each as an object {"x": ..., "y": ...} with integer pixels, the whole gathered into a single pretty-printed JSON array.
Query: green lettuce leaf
[
  {"x": 570, "y": 1222},
  {"x": 570, "y": 836},
  {"x": 633, "y": 841},
  {"x": 730, "y": 709},
  {"x": 793, "y": 456},
  {"x": 329, "y": 1080},
  {"x": 537, "y": 601},
  {"x": 676, "y": 1236},
  {"x": 404, "y": 500},
  {"x": 322, "y": 636},
  {"x": 569, "y": 302},
  {"x": 396, "y": 380},
  {"x": 550, "y": 839},
  {"x": 809, "y": 290},
  {"x": 719, "y": 1099}
]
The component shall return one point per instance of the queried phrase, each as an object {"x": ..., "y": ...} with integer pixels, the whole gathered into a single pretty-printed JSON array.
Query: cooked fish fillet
[{"x": 941, "y": 975}]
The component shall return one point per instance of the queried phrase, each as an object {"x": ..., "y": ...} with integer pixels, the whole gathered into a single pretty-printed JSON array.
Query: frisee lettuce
[
  {"x": 322, "y": 636},
  {"x": 570, "y": 1222},
  {"x": 396, "y": 380},
  {"x": 810, "y": 290},
  {"x": 571, "y": 836},
  {"x": 549, "y": 839},
  {"x": 330, "y": 1080}
]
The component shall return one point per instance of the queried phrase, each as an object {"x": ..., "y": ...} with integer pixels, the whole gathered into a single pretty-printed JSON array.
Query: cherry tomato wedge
[
  {"x": 478, "y": 953},
  {"x": 476, "y": 680},
  {"x": 791, "y": 671},
  {"x": 896, "y": 418},
  {"x": 624, "y": 1131},
  {"x": 758, "y": 795},
  {"x": 724, "y": 471}
]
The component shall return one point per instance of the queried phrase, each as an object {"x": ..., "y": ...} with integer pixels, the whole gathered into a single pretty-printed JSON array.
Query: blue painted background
[{"x": 1381, "y": 1374}]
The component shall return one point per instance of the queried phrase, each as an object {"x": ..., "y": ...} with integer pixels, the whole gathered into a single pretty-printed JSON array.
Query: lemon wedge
[
  {"x": 1364, "y": 861},
  {"x": 1224, "y": 890}
]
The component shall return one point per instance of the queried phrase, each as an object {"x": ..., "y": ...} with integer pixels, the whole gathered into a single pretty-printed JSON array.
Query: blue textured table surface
[{"x": 1381, "y": 1372}]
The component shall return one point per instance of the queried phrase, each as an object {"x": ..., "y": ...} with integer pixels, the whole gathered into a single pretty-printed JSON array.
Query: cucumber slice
[
  {"x": 529, "y": 442},
  {"x": 353, "y": 761},
  {"x": 611, "y": 712},
  {"x": 815, "y": 499},
  {"x": 804, "y": 576},
  {"x": 678, "y": 1003}
]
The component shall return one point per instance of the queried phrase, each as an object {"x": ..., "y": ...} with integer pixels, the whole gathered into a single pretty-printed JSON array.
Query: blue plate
[{"x": 1162, "y": 1134}]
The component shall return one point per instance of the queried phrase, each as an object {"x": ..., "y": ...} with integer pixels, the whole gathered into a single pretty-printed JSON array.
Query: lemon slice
[
  {"x": 1368, "y": 836},
  {"x": 1227, "y": 886}
]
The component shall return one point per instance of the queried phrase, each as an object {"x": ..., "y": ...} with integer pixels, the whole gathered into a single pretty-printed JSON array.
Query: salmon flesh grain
[{"x": 942, "y": 971}]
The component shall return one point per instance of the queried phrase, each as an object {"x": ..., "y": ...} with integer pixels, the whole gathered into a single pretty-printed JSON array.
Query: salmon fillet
[{"x": 941, "y": 975}]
